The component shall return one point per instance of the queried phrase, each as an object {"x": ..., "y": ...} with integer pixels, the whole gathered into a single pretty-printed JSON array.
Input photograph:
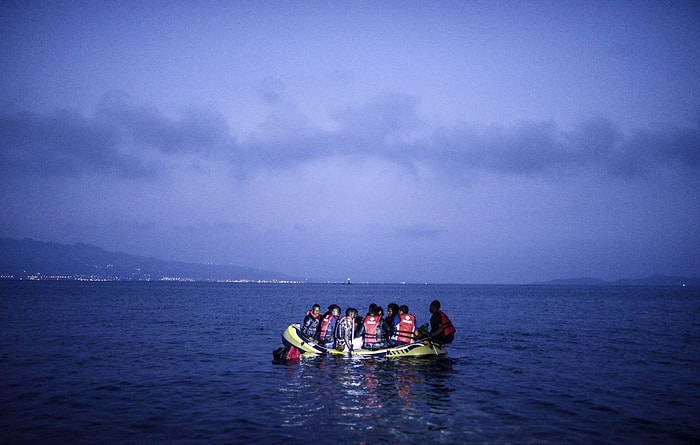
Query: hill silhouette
[
  {"x": 654, "y": 280},
  {"x": 29, "y": 258}
]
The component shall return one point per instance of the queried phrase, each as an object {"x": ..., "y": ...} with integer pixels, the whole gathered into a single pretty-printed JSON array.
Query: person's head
[
  {"x": 334, "y": 309},
  {"x": 316, "y": 309},
  {"x": 392, "y": 309},
  {"x": 351, "y": 312},
  {"x": 380, "y": 311},
  {"x": 434, "y": 306},
  {"x": 403, "y": 309}
]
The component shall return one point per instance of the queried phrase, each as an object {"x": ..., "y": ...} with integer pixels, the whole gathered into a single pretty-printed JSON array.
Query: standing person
[
  {"x": 311, "y": 321},
  {"x": 441, "y": 329},
  {"x": 345, "y": 330},
  {"x": 405, "y": 326},
  {"x": 326, "y": 330}
]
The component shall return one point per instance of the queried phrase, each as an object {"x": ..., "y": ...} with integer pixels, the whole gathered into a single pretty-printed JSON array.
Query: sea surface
[{"x": 153, "y": 362}]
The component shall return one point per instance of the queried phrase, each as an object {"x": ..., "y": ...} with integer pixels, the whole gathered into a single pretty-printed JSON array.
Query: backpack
[{"x": 286, "y": 353}]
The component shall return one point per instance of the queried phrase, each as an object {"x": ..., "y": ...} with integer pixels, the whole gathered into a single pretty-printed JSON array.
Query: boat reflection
[{"x": 370, "y": 391}]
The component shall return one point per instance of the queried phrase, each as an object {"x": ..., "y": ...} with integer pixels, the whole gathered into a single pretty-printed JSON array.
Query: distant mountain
[
  {"x": 577, "y": 281},
  {"x": 655, "y": 280},
  {"x": 30, "y": 258}
]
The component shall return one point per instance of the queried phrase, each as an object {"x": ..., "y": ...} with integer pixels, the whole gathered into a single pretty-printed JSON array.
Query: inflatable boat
[{"x": 292, "y": 336}]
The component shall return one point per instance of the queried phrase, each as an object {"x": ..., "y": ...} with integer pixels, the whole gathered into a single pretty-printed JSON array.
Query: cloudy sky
[{"x": 455, "y": 142}]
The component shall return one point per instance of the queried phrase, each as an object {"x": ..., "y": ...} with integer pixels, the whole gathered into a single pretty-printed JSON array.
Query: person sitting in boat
[
  {"x": 405, "y": 327},
  {"x": 311, "y": 321},
  {"x": 441, "y": 329},
  {"x": 345, "y": 330},
  {"x": 372, "y": 308},
  {"x": 326, "y": 330},
  {"x": 374, "y": 338},
  {"x": 389, "y": 322},
  {"x": 358, "y": 341}
]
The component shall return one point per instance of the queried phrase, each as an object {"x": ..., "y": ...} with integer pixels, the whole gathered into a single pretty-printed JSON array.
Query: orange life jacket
[
  {"x": 326, "y": 333},
  {"x": 447, "y": 327},
  {"x": 405, "y": 328},
  {"x": 372, "y": 329}
]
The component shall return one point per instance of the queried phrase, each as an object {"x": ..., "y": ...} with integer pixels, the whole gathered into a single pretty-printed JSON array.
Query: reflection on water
[{"x": 379, "y": 395}]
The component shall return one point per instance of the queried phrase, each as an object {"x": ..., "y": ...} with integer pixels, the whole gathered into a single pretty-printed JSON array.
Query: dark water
[{"x": 192, "y": 363}]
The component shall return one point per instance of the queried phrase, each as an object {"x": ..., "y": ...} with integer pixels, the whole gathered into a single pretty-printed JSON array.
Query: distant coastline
[
  {"x": 654, "y": 280},
  {"x": 28, "y": 259}
]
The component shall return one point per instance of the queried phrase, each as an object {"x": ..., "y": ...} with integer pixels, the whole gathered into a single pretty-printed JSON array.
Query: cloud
[
  {"x": 271, "y": 90},
  {"x": 123, "y": 139},
  {"x": 127, "y": 139},
  {"x": 388, "y": 121},
  {"x": 193, "y": 131},
  {"x": 528, "y": 148},
  {"x": 646, "y": 148},
  {"x": 543, "y": 148},
  {"x": 61, "y": 143}
]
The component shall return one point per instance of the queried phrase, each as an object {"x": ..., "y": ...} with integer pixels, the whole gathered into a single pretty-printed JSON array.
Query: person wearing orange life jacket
[
  {"x": 405, "y": 326},
  {"x": 326, "y": 329},
  {"x": 374, "y": 339},
  {"x": 441, "y": 329}
]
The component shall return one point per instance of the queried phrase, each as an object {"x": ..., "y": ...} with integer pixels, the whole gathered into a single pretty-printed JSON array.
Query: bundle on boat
[{"x": 293, "y": 338}]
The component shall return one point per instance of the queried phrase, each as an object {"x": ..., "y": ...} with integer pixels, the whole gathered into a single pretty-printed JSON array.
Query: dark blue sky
[{"x": 473, "y": 142}]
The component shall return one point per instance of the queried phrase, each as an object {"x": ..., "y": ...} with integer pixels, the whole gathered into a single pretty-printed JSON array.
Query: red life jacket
[
  {"x": 405, "y": 328},
  {"x": 324, "y": 335},
  {"x": 447, "y": 327},
  {"x": 293, "y": 353},
  {"x": 371, "y": 324},
  {"x": 311, "y": 312}
]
